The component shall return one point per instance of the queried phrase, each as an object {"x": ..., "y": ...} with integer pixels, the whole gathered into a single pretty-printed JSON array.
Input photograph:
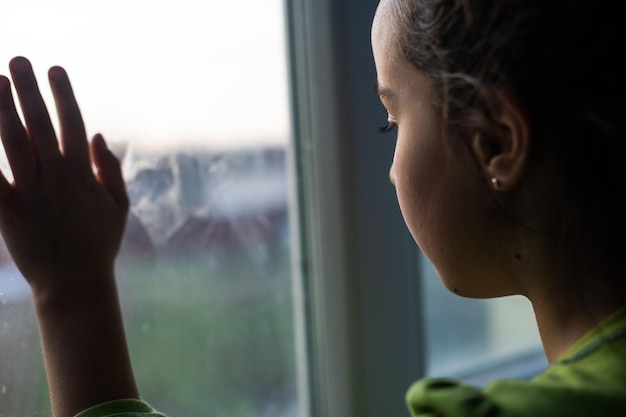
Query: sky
[{"x": 158, "y": 73}]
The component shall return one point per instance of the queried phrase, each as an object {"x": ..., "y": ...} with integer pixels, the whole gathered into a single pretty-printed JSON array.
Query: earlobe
[{"x": 503, "y": 151}]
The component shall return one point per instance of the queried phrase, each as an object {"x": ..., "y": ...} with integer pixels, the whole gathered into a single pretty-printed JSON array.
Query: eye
[{"x": 391, "y": 125}]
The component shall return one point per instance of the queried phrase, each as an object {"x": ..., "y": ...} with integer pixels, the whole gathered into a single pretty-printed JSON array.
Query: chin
[{"x": 468, "y": 286}]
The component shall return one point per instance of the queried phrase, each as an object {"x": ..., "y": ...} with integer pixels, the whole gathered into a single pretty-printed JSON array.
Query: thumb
[{"x": 109, "y": 170}]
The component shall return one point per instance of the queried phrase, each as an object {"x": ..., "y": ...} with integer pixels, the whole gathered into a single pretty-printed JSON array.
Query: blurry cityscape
[
  {"x": 202, "y": 201},
  {"x": 188, "y": 203}
]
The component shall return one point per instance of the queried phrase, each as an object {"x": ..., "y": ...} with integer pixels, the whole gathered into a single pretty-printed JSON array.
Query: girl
[
  {"x": 514, "y": 108},
  {"x": 511, "y": 107}
]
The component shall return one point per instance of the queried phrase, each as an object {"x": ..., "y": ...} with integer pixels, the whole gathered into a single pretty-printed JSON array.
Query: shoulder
[
  {"x": 589, "y": 380},
  {"x": 559, "y": 392}
]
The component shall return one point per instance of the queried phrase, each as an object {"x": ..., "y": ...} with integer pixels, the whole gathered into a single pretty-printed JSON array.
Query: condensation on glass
[{"x": 192, "y": 97}]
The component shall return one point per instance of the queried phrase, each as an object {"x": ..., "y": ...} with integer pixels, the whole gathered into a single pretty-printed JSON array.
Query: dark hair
[{"x": 561, "y": 59}]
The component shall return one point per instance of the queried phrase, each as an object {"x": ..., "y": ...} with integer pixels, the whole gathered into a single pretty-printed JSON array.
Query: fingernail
[
  {"x": 5, "y": 85},
  {"x": 57, "y": 73},
  {"x": 100, "y": 142},
  {"x": 20, "y": 64}
]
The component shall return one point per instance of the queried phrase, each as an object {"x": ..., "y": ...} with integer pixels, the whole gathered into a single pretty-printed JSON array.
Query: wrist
[{"x": 75, "y": 292}]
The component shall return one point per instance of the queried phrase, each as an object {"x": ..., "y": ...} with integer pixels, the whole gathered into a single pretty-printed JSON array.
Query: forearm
[{"x": 84, "y": 345}]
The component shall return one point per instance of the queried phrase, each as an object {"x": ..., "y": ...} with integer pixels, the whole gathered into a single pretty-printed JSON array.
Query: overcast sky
[{"x": 158, "y": 72}]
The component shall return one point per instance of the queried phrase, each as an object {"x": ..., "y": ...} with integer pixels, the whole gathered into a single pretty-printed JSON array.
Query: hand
[
  {"x": 59, "y": 219},
  {"x": 63, "y": 225}
]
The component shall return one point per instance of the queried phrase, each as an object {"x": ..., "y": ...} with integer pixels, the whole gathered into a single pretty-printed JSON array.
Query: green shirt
[
  {"x": 588, "y": 381},
  {"x": 121, "y": 408}
]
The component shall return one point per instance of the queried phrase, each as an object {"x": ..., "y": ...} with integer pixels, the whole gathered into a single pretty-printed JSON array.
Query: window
[
  {"x": 235, "y": 301},
  {"x": 193, "y": 97}
]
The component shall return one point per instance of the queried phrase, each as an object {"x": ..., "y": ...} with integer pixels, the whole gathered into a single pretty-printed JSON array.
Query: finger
[
  {"x": 6, "y": 190},
  {"x": 109, "y": 171},
  {"x": 38, "y": 125},
  {"x": 14, "y": 138},
  {"x": 73, "y": 136}
]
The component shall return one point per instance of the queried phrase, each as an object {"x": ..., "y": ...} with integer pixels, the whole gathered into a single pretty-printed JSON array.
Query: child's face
[{"x": 443, "y": 197}]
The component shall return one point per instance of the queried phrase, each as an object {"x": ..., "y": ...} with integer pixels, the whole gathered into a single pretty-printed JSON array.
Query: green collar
[{"x": 609, "y": 330}]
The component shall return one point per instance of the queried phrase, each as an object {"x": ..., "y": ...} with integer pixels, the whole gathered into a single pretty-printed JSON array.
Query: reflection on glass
[{"x": 192, "y": 98}]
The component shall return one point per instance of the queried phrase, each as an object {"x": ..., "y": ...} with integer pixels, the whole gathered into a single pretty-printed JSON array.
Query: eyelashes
[{"x": 391, "y": 126}]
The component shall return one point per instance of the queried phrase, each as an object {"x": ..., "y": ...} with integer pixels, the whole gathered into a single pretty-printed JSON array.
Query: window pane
[
  {"x": 466, "y": 336},
  {"x": 192, "y": 96}
]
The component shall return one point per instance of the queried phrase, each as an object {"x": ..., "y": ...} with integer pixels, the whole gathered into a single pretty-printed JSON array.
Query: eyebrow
[{"x": 383, "y": 91}]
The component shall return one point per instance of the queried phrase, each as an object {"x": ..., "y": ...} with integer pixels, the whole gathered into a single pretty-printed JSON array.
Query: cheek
[
  {"x": 417, "y": 173},
  {"x": 426, "y": 213},
  {"x": 437, "y": 195}
]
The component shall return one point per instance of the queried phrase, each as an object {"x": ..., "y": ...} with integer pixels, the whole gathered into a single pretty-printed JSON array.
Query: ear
[{"x": 503, "y": 153}]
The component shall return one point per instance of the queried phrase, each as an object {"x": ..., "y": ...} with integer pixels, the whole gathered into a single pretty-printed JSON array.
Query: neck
[{"x": 564, "y": 313}]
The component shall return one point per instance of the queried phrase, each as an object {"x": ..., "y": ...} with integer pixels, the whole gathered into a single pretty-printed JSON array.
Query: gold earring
[{"x": 495, "y": 183}]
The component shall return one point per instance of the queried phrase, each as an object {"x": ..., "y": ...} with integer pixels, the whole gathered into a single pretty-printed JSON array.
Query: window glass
[
  {"x": 467, "y": 336},
  {"x": 192, "y": 96}
]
